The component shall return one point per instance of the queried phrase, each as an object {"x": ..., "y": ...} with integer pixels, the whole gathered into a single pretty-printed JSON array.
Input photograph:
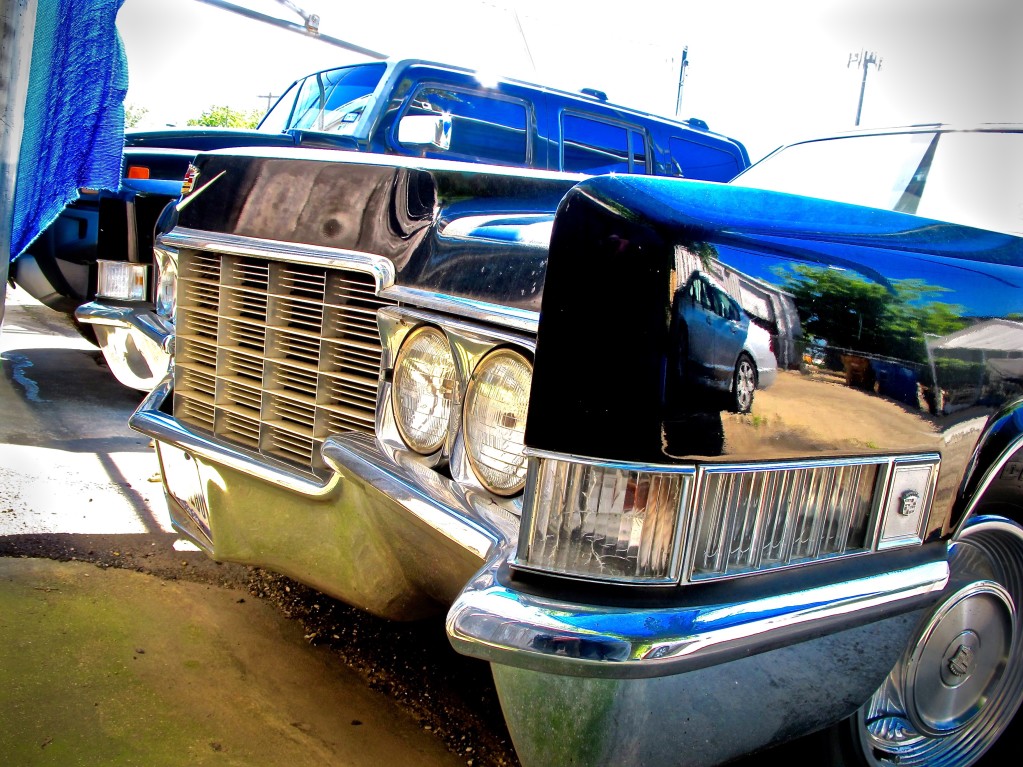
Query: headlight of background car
[
  {"x": 424, "y": 387},
  {"x": 122, "y": 280},
  {"x": 494, "y": 420},
  {"x": 166, "y": 281}
]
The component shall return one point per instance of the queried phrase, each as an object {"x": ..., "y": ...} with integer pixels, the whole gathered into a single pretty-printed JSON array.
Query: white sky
[{"x": 761, "y": 71}]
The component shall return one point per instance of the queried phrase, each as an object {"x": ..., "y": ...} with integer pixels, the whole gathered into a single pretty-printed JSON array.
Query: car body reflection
[{"x": 719, "y": 344}]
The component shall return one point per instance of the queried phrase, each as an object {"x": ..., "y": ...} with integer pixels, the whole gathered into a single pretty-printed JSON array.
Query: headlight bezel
[
  {"x": 470, "y": 343},
  {"x": 165, "y": 282}
]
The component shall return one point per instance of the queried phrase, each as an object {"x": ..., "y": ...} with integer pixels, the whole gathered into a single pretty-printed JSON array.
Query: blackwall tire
[{"x": 958, "y": 687}]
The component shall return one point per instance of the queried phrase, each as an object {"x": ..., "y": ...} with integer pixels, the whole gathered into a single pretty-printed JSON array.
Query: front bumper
[
  {"x": 394, "y": 538},
  {"x": 136, "y": 342}
]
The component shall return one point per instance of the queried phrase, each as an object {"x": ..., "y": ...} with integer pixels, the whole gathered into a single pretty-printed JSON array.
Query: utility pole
[
  {"x": 681, "y": 79},
  {"x": 269, "y": 99},
  {"x": 863, "y": 59}
]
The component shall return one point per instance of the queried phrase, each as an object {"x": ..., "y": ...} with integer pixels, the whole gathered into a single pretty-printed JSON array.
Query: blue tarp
[{"x": 74, "y": 112}]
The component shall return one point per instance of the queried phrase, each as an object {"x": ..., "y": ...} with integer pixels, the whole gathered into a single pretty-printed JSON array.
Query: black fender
[
  {"x": 622, "y": 247},
  {"x": 994, "y": 479}
]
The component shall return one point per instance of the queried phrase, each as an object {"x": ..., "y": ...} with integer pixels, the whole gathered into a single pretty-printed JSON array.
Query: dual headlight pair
[{"x": 439, "y": 388}]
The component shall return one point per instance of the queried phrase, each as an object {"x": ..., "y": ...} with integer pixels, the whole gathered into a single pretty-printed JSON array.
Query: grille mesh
[{"x": 275, "y": 356}]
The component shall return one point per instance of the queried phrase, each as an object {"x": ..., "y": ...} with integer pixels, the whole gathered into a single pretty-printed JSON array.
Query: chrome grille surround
[{"x": 277, "y": 345}]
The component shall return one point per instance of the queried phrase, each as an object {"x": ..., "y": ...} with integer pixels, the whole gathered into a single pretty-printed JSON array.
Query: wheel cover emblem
[{"x": 959, "y": 664}]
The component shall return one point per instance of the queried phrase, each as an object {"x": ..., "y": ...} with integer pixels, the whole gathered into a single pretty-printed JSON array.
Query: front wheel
[
  {"x": 959, "y": 685},
  {"x": 744, "y": 384}
]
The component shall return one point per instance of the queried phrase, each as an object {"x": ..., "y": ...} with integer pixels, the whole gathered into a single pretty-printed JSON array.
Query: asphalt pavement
[{"x": 109, "y": 662}]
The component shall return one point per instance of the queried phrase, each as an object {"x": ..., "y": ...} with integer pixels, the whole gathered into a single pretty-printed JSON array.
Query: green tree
[
  {"x": 849, "y": 311},
  {"x": 227, "y": 117},
  {"x": 133, "y": 115}
]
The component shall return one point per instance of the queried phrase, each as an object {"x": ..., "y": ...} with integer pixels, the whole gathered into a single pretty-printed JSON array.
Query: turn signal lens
[
  {"x": 603, "y": 522},
  {"x": 495, "y": 420},
  {"x": 424, "y": 390},
  {"x": 121, "y": 280}
]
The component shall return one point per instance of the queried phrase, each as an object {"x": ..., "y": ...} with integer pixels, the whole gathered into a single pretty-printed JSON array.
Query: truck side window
[
  {"x": 692, "y": 159},
  {"x": 639, "y": 164},
  {"x": 483, "y": 128},
  {"x": 593, "y": 146}
]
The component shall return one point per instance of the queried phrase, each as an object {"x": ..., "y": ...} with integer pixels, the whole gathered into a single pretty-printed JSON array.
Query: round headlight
[
  {"x": 423, "y": 389},
  {"x": 495, "y": 420}
]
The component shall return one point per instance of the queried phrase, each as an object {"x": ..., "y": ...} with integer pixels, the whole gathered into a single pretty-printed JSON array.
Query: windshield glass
[
  {"x": 961, "y": 177},
  {"x": 331, "y": 101}
]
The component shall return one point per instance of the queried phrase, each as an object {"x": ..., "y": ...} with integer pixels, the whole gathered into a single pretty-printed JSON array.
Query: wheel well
[{"x": 994, "y": 478}]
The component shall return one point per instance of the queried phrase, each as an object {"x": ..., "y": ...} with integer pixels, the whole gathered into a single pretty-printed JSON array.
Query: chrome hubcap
[
  {"x": 959, "y": 660},
  {"x": 961, "y": 681},
  {"x": 745, "y": 384}
]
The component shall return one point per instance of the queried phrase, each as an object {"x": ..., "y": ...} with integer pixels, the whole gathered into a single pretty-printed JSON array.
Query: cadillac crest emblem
[{"x": 909, "y": 502}]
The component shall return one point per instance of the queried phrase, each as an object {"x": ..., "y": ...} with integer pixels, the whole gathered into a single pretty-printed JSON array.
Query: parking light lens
[
  {"x": 424, "y": 390},
  {"x": 763, "y": 519},
  {"x": 602, "y": 522},
  {"x": 494, "y": 420},
  {"x": 122, "y": 281}
]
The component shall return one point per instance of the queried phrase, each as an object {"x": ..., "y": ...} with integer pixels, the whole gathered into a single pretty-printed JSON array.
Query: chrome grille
[{"x": 275, "y": 356}]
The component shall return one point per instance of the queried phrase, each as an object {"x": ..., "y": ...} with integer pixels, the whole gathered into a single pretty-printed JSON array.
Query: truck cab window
[{"x": 483, "y": 127}]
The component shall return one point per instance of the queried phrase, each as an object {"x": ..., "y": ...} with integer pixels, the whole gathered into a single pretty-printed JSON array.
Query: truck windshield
[{"x": 332, "y": 101}]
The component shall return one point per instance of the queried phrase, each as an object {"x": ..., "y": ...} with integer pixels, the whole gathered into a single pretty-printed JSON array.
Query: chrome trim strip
[
  {"x": 140, "y": 318},
  {"x": 517, "y": 319},
  {"x": 149, "y": 420},
  {"x": 236, "y": 245},
  {"x": 710, "y": 467},
  {"x": 436, "y": 501},
  {"x": 817, "y": 463},
  {"x": 667, "y": 468},
  {"x": 458, "y": 326},
  {"x": 498, "y": 624}
]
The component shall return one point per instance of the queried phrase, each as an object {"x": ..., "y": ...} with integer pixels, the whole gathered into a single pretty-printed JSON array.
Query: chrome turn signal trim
[{"x": 726, "y": 520}]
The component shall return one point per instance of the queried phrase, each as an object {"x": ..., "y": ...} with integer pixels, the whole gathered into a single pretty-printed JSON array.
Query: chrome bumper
[
  {"x": 136, "y": 342},
  {"x": 504, "y": 625}
]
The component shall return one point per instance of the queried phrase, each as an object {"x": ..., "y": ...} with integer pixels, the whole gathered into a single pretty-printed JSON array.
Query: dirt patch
[
  {"x": 447, "y": 694},
  {"x": 105, "y": 666}
]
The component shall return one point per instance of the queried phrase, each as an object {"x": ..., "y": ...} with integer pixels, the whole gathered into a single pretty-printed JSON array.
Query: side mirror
[{"x": 425, "y": 130}]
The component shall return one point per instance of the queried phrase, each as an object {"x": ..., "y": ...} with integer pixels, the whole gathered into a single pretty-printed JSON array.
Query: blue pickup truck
[{"x": 101, "y": 246}]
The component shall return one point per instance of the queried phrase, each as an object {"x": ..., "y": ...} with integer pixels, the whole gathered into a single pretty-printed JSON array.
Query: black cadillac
[{"x": 697, "y": 467}]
